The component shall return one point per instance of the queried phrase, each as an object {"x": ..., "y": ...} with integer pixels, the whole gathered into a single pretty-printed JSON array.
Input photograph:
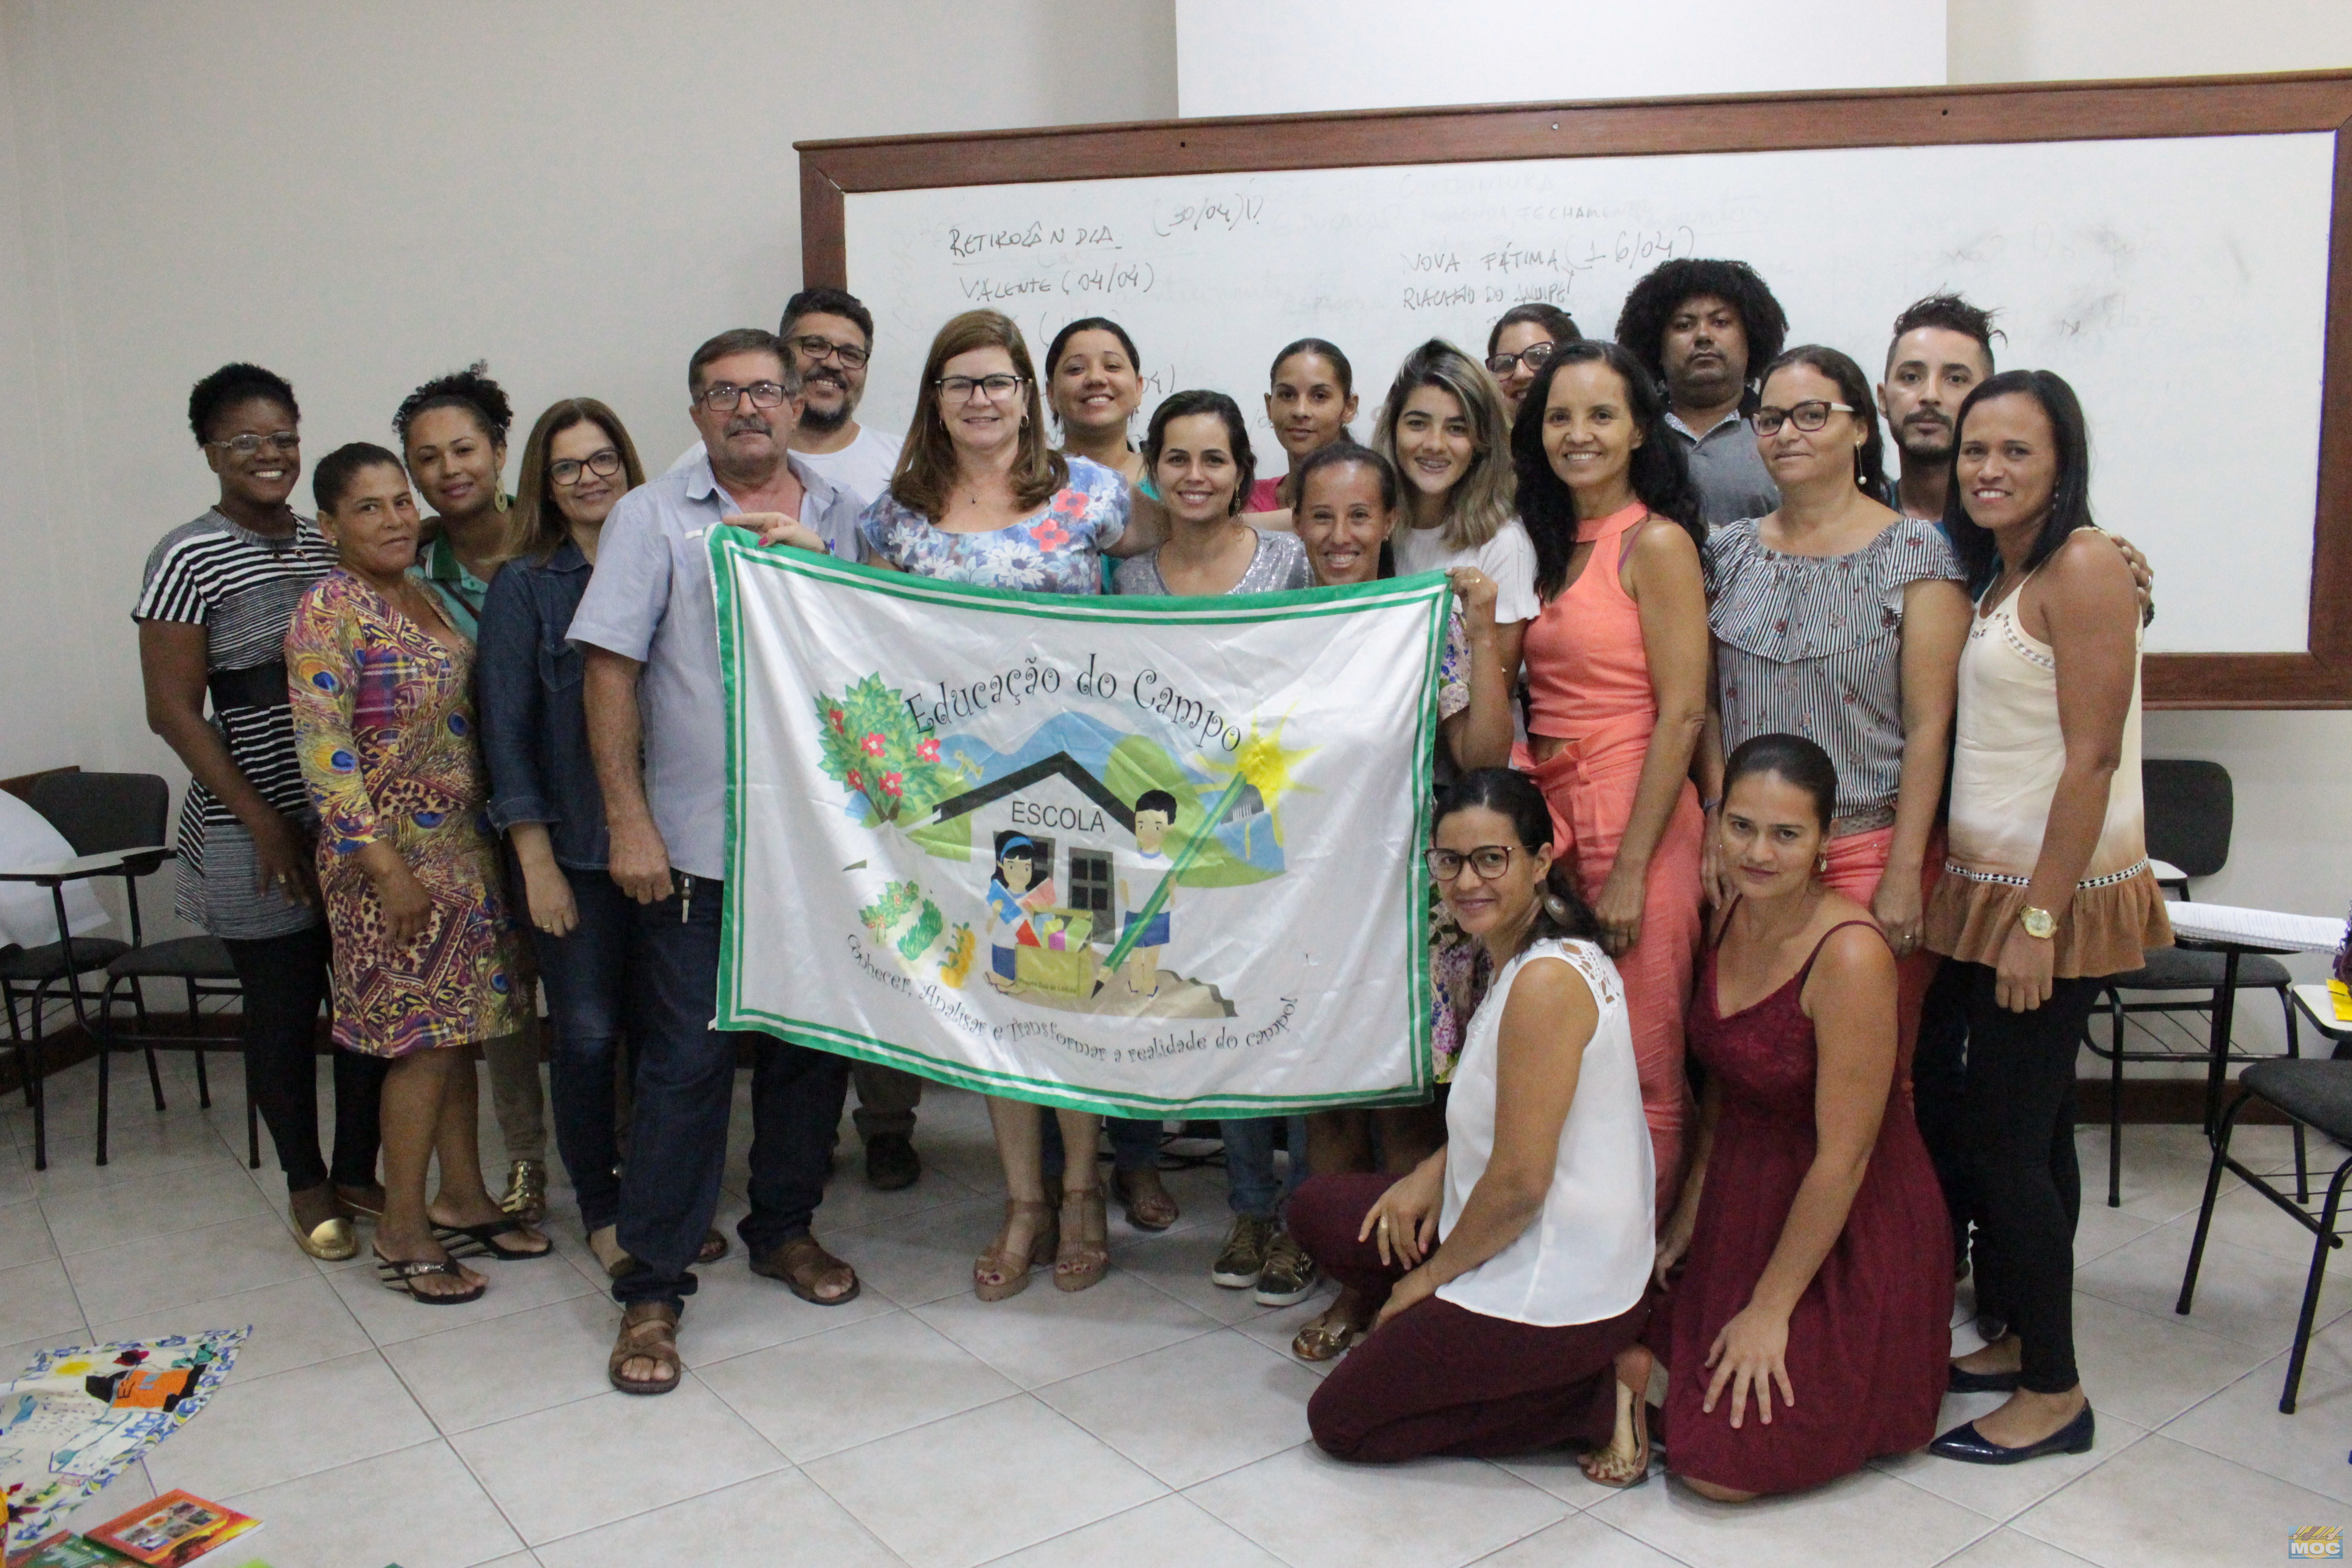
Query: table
[
  {"x": 55, "y": 875},
  {"x": 2318, "y": 1009},
  {"x": 2235, "y": 932}
]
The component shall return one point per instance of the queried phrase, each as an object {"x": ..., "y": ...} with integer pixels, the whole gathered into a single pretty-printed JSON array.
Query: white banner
[{"x": 1151, "y": 855}]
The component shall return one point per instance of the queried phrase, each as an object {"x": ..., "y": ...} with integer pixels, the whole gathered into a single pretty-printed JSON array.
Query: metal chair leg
[
  {"x": 2295, "y": 1050},
  {"x": 2321, "y": 1245},
  {"x": 2115, "y": 1105},
  {"x": 252, "y": 1137},
  {"x": 195, "y": 1025},
  {"x": 2212, "y": 1194},
  {"x": 105, "y": 1066}
]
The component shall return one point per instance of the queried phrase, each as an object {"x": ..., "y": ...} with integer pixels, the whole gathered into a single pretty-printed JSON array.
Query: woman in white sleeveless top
[
  {"x": 1512, "y": 1260},
  {"x": 2047, "y": 888}
]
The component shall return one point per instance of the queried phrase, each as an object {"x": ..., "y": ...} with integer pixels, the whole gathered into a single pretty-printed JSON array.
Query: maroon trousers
[{"x": 1442, "y": 1379}]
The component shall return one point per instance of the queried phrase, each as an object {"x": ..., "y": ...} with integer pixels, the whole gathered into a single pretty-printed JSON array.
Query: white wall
[
  {"x": 1247, "y": 56},
  {"x": 362, "y": 196},
  {"x": 2072, "y": 40}
]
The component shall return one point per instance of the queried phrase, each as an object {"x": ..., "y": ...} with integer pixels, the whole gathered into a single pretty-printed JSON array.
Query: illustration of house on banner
[{"x": 1072, "y": 818}]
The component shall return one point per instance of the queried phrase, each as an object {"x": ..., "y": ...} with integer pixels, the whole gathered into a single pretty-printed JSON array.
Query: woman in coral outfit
[{"x": 1616, "y": 668}]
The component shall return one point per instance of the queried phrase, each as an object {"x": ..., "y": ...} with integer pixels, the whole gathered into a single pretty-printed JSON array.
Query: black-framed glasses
[
  {"x": 1535, "y": 356},
  {"x": 816, "y": 349},
  {"x": 566, "y": 472},
  {"x": 1809, "y": 416},
  {"x": 722, "y": 397},
  {"x": 246, "y": 444},
  {"x": 1489, "y": 860},
  {"x": 959, "y": 388}
]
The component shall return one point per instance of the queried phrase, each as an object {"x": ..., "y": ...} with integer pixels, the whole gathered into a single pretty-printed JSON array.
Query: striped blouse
[{"x": 1812, "y": 645}]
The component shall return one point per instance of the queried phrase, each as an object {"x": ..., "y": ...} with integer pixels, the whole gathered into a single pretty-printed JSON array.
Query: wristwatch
[{"x": 2038, "y": 923}]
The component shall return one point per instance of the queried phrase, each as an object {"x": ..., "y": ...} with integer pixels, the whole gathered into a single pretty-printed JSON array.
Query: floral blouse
[{"x": 1059, "y": 550}]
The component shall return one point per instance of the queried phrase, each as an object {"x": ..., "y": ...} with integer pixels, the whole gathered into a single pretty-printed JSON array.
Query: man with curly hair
[{"x": 1701, "y": 327}]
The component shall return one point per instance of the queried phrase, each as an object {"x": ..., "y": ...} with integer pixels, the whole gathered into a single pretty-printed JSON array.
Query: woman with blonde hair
[
  {"x": 981, "y": 496},
  {"x": 1446, "y": 429}
]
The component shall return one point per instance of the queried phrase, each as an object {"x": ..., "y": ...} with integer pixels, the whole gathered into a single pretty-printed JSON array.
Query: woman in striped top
[
  {"x": 217, "y": 597},
  {"x": 1839, "y": 621}
]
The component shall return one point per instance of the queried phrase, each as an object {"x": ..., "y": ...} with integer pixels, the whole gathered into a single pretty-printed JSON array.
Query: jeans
[
  {"x": 2017, "y": 1126},
  {"x": 285, "y": 979},
  {"x": 887, "y": 1097},
  {"x": 587, "y": 974},
  {"x": 517, "y": 1098},
  {"x": 685, "y": 1088},
  {"x": 1249, "y": 1185},
  {"x": 1134, "y": 1145}
]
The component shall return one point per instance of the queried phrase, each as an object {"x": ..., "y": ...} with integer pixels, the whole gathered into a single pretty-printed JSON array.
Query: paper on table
[{"x": 2254, "y": 928}]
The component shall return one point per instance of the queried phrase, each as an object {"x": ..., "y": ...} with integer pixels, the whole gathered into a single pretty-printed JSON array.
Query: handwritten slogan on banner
[{"x": 1146, "y": 855}]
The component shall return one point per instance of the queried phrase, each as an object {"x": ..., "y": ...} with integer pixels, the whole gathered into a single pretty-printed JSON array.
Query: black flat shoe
[
  {"x": 1963, "y": 1381},
  {"x": 1962, "y": 1443}
]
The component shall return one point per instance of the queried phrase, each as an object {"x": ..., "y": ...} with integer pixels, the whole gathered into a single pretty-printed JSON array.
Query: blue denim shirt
[{"x": 534, "y": 726}]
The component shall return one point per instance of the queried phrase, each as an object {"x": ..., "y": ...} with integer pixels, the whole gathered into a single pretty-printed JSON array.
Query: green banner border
[{"x": 734, "y": 550}]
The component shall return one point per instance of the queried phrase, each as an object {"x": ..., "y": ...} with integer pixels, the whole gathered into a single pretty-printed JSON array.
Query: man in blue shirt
[{"x": 648, "y": 625}]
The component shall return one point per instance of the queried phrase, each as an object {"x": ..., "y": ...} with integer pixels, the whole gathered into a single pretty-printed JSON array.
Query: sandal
[
  {"x": 801, "y": 1264},
  {"x": 402, "y": 1275},
  {"x": 1083, "y": 1256},
  {"x": 648, "y": 1329},
  {"x": 615, "y": 1259},
  {"x": 1148, "y": 1203},
  {"x": 1611, "y": 1467},
  {"x": 999, "y": 1273},
  {"x": 1327, "y": 1338},
  {"x": 475, "y": 1240}
]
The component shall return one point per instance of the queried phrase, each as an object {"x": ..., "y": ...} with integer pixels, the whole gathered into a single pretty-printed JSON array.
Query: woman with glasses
[
  {"x": 452, "y": 436},
  {"x": 212, "y": 610},
  {"x": 1811, "y": 1235},
  {"x": 1616, "y": 667},
  {"x": 577, "y": 463},
  {"x": 1509, "y": 1267},
  {"x": 1840, "y": 621},
  {"x": 980, "y": 498},
  {"x": 1523, "y": 338}
]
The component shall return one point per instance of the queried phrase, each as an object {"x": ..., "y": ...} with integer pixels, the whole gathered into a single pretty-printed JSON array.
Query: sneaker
[
  {"x": 1288, "y": 1277},
  {"x": 891, "y": 1162},
  {"x": 1237, "y": 1268}
]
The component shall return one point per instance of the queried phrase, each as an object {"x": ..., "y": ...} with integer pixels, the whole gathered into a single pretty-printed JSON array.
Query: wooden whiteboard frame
[{"x": 2321, "y": 677}]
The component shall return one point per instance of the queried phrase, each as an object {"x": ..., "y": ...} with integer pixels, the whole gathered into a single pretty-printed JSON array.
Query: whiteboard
[{"x": 2179, "y": 283}]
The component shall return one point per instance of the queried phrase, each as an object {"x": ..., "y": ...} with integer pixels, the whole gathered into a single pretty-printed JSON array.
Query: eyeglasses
[
  {"x": 1808, "y": 417},
  {"x": 817, "y": 350},
  {"x": 720, "y": 397},
  {"x": 566, "y": 472},
  {"x": 247, "y": 444},
  {"x": 1535, "y": 356},
  {"x": 1489, "y": 860},
  {"x": 959, "y": 388}
]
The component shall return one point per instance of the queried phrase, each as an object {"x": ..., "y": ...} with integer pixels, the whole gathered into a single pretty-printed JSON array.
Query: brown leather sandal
[
  {"x": 1149, "y": 1205},
  {"x": 1327, "y": 1338},
  {"x": 999, "y": 1272},
  {"x": 1626, "y": 1462},
  {"x": 1084, "y": 1255},
  {"x": 648, "y": 1331},
  {"x": 802, "y": 1265}
]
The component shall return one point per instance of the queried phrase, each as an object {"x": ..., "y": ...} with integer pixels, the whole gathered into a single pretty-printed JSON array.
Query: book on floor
[
  {"x": 173, "y": 1530},
  {"x": 67, "y": 1550}
]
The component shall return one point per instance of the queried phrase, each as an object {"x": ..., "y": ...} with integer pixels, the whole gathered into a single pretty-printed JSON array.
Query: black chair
[
  {"x": 2189, "y": 809},
  {"x": 77, "y": 804},
  {"x": 98, "y": 813},
  {"x": 2317, "y": 1095}
]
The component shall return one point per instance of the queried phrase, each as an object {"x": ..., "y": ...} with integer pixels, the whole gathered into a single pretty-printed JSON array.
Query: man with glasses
[
  {"x": 656, "y": 726},
  {"x": 1705, "y": 329},
  {"x": 830, "y": 336}
]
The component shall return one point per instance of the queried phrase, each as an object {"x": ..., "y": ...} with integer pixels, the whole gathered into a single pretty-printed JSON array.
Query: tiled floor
[{"x": 1155, "y": 1419}]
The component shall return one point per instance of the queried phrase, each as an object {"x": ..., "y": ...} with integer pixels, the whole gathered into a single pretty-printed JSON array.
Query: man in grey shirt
[
  {"x": 653, "y": 689},
  {"x": 1702, "y": 327}
]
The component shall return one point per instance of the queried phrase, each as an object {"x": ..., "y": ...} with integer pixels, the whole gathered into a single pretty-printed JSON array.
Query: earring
[
  {"x": 1822, "y": 863},
  {"x": 1555, "y": 906}
]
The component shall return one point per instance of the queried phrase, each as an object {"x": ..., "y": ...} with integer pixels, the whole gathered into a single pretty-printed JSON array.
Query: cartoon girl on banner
[{"x": 1010, "y": 901}]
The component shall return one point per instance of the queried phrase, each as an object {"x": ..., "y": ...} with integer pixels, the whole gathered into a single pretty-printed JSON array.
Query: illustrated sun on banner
[{"x": 1145, "y": 854}]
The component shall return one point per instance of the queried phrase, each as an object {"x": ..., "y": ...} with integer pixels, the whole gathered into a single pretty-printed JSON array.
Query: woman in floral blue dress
[{"x": 981, "y": 498}]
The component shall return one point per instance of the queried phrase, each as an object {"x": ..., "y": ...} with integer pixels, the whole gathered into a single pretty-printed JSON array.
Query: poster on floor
[{"x": 1156, "y": 857}]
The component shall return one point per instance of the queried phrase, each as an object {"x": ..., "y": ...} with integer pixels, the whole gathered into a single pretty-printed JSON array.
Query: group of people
[{"x": 1762, "y": 772}]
